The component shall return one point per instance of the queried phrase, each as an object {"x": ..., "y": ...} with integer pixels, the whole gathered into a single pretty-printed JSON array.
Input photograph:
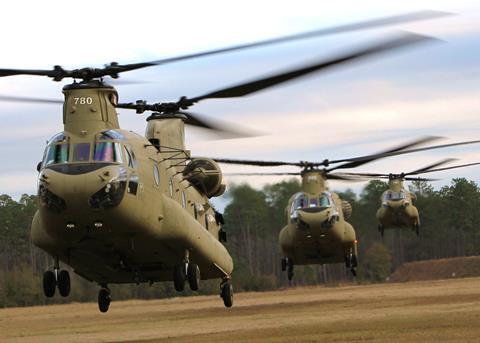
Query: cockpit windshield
[
  {"x": 108, "y": 152},
  {"x": 303, "y": 201},
  {"x": 391, "y": 195}
]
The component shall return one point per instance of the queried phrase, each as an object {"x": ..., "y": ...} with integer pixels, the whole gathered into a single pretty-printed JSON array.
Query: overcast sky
[{"x": 350, "y": 111}]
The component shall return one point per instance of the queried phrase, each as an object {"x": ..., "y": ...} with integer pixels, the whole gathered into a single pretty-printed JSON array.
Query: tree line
[{"x": 253, "y": 219}]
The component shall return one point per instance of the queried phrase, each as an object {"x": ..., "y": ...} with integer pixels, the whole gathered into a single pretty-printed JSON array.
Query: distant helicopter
[
  {"x": 397, "y": 209},
  {"x": 123, "y": 208},
  {"x": 317, "y": 231}
]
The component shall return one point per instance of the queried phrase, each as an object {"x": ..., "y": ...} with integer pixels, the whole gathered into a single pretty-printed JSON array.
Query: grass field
[{"x": 429, "y": 311}]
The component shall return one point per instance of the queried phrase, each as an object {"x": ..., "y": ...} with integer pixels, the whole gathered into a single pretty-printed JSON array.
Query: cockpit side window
[{"x": 56, "y": 153}]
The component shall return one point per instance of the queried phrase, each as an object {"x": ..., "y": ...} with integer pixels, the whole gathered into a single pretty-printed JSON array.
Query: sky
[{"x": 355, "y": 110}]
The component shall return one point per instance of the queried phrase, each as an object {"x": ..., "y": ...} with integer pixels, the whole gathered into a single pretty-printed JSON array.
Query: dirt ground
[{"x": 426, "y": 311}]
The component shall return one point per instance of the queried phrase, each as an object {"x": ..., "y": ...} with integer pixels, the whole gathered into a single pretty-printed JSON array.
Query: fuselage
[
  {"x": 316, "y": 231},
  {"x": 118, "y": 209}
]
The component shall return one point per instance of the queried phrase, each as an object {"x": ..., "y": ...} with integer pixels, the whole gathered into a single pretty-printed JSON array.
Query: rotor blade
[
  {"x": 419, "y": 179},
  {"x": 370, "y": 158},
  {"x": 226, "y": 130},
  {"x": 362, "y": 25},
  {"x": 431, "y": 166},
  {"x": 259, "y": 174},
  {"x": 342, "y": 177},
  {"x": 358, "y": 161},
  {"x": 256, "y": 162},
  {"x": 452, "y": 167},
  {"x": 406, "y": 39},
  {"x": 8, "y": 98}
]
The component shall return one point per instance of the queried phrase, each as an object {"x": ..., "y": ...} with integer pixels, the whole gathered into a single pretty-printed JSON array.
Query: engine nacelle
[
  {"x": 206, "y": 175},
  {"x": 346, "y": 209}
]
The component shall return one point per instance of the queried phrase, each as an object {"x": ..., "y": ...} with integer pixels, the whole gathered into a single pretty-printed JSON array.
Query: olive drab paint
[
  {"x": 316, "y": 230},
  {"x": 129, "y": 219}
]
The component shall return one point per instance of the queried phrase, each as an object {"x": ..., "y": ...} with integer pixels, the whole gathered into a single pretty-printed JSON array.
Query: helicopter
[
  {"x": 317, "y": 231},
  {"x": 119, "y": 207},
  {"x": 398, "y": 209}
]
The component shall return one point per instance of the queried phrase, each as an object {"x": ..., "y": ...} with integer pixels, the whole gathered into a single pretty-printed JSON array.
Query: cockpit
[
  {"x": 394, "y": 196},
  {"x": 310, "y": 203},
  {"x": 108, "y": 147}
]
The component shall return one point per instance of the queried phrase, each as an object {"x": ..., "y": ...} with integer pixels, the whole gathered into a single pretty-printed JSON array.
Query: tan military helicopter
[
  {"x": 123, "y": 208},
  {"x": 397, "y": 209},
  {"x": 317, "y": 231}
]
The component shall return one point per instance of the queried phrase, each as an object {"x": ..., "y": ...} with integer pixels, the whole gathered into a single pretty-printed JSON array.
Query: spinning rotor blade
[
  {"x": 409, "y": 17},
  {"x": 259, "y": 174},
  {"x": 257, "y": 163},
  {"x": 114, "y": 69},
  {"x": 223, "y": 128},
  {"x": 431, "y": 166},
  {"x": 452, "y": 167},
  {"x": 403, "y": 40},
  {"x": 7, "y": 98}
]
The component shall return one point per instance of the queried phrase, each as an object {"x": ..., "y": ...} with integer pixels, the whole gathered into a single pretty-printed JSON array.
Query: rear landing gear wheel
[
  {"x": 226, "y": 293},
  {"x": 49, "y": 283},
  {"x": 104, "y": 299},
  {"x": 179, "y": 277},
  {"x": 63, "y": 283},
  {"x": 193, "y": 276}
]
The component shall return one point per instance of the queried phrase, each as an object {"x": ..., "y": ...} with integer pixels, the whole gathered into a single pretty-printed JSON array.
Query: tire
[
  {"x": 193, "y": 276},
  {"x": 63, "y": 283},
  {"x": 179, "y": 277},
  {"x": 104, "y": 300},
  {"x": 227, "y": 294},
  {"x": 49, "y": 283}
]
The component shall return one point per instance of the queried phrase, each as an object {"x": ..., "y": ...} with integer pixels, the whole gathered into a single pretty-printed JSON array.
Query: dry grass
[{"x": 433, "y": 311}]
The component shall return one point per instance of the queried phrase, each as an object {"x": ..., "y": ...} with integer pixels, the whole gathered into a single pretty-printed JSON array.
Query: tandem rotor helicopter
[
  {"x": 123, "y": 208},
  {"x": 317, "y": 231}
]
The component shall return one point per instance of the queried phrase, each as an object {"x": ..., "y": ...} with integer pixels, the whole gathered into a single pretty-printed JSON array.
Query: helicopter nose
[
  {"x": 317, "y": 220},
  {"x": 81, "y": 191},
  {"x": 395, "y": 204}
]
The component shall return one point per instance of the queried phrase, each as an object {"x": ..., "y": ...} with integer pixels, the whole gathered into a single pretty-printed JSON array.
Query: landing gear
[
  {"x": 56, "y": 279},
  {"x": 104, "y": 299},
  {"x": 49, "y": 283},
  {"x": 351, "y": 262},
  {"x": 289, "y": 269},
  {"x": 193, "y": 276},
  {"x": 284, "y": 264},
  {"x": 63, "y": 283},
  {"x": 226, "y": 292},
  {"x": 186, "y": 272},
  {"x": 416, "y": 228},
  {"x": 179, "y": 276},
  {"x": 381, "y": 229}
]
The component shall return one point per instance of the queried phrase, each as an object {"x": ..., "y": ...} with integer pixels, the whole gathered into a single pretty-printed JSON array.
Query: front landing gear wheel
[
  {"x": 63, "y": 283},
  {"x": 353, "y": 265},
  {"x": 104, "y": 299},
  {"x": 289, "y": 270},
  {"x": 49, "y": 283},
  {"x": 284, "y": 264},
  {"x": 193, "y": 276},
  {"x": 381, "y": 229},
  {"x": 226, "y": 293},
  {"x": 179, "y": 277}
]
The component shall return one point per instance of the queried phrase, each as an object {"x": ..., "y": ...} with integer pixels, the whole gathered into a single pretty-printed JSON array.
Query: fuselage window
[
  {"x": 107, "y": 152},
  {"x": 81, "y": 152},
  {"x": 56, "y": 153},
  {"x": 170, "y": 187},
  {"x": 156, "y": 174},
  {"x": 133, "y": 184},
  {"x": 184, "y": 200}
]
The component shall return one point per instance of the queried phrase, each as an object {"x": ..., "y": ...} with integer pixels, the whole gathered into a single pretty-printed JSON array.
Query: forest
[{"x": 253, "y": 219}]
